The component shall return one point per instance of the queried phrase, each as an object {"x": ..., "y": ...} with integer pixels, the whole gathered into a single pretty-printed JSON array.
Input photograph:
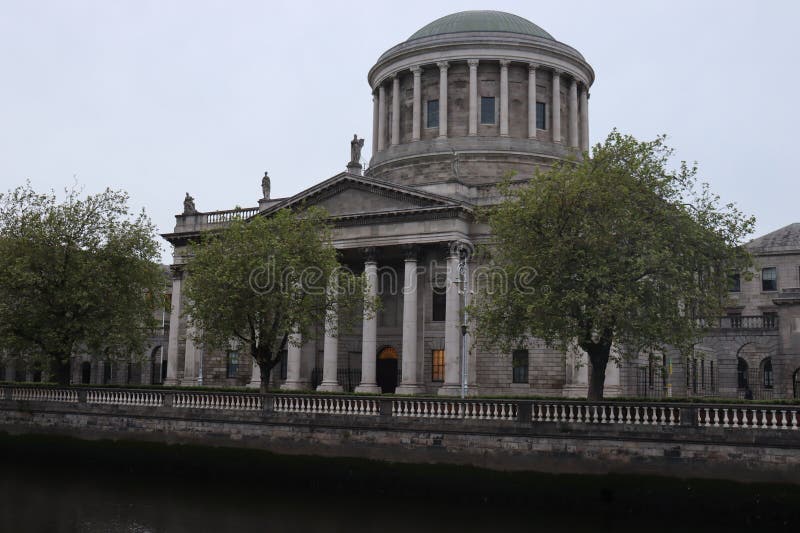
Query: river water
[{"x": 64, "y": 486}]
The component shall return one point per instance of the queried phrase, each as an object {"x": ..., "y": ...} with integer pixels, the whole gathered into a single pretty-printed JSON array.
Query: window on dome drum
[
  {"x": 541, "y": 113},
  {"x": 432, "y": 108},
  {"x": 519, "y": 364},
  {"x": 769, "y": 279},
  {"x": 735, "y": 283},
  {"x": 437, "y": 365},
  {"x": 233, "y": 364},
  {"x": 487, "y": 110}
]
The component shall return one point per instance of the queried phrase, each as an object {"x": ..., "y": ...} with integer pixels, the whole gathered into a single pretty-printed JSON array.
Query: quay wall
[{"x": 723, "y": 441}]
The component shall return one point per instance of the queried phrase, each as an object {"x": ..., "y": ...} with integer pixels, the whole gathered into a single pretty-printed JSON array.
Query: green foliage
[
  {"x": 256, "y": 281},
  {"x": 619, "y": 248},
  {"x": 77, "y": 275}
]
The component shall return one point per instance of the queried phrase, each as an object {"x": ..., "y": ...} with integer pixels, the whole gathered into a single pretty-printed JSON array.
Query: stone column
[
  {"x": 416, "y": 119},
  {"x": 504, "y": 97},
  {"x": 409, "y": 384},
  {"x": 473, "y": 96},
  {"x": 375, "y": 113},
  {"x": 573, "y": 113},
  {"x": 293, "y": 353},
  {"x": 452, "y": 325},
  {"x": 395, "y": 110},
  {"x": 555, "y": 123},
  {"x": 330, "y": 356},
  {"x": 369, "y": 331},
  {"x": 381, "y": 118},
  {"x": 531, "y": 101},
  {"x": 443, "y": 66},
  {"x": 584, "y": 118},
  {"x": 190, "y": 358},
  {"x": 176, "y": 309}
]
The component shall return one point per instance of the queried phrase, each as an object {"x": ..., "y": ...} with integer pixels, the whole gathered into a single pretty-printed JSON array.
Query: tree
[
  {"x": 257, "y": 282},
  {"x": 75, "y": 276},
  {"x": 616, "y": 248}
]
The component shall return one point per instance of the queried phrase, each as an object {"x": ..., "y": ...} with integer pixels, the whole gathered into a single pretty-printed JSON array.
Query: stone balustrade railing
[
  {"x": 629, "y": 413},
  {"x": 586, "y": 413},
  {"x": 458, "y": 409}
]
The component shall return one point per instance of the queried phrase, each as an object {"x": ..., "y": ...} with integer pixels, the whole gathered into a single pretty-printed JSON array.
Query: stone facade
[{"x": 425, "y": 180}]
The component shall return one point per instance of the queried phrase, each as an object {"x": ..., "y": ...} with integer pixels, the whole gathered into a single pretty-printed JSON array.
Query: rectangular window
[
  {"x": 769, "y": 279},
  {"x": 284, "y": 361},
  {"x": 233, "y": 364},
  {"x": 487, "y": 110},
  {"x": 519, "y": 363},
  {"x": 437, "y": 365},
  {"x": 735, "y": 283},
  {"x": 770, "y": 320},
  {"x": 439, "y": 303},
  {"x": 433, "y": 114},
  {"x": 541, "y": 113}
]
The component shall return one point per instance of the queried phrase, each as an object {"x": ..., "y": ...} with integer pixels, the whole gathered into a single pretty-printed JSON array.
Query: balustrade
[
  {"x": 466, "y": 410},
  {"x": 211, "y": 400},
  {"x": 125, "y": 397},
  {"x": 44, "y": 395},
  {"x": 755, "y": 417},
  {"x": 337, "y": 405}
]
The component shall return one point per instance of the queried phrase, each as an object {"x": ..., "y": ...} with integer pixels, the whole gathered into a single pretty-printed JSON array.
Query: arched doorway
[
  {"x": 86, "y": 372},
  {"x": 386, "y": 370},
  {"x": 157, "y": 366},
  {"x": 742, "y": 381}
]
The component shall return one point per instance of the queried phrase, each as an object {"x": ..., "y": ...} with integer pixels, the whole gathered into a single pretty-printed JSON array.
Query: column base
[
  {"x": 612, "y": 391},
  {"x": 295, "y": 385},
  {"x": 575, "y": 391},
  {"x": 449, "y": 390},
  {"x": 253, "y": 385},
  {"x": 170, "y": 382},
  {"x": 368, "y": 388},
  {"x": 329, "y": 386},
  {"x": 410, "y": 389}
]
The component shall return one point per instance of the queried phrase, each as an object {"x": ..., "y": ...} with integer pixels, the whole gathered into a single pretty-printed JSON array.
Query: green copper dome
[{"x": 489, "y": 21}]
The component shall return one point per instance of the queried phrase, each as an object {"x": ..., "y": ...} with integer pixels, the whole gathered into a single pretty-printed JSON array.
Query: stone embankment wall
[{"x": 736, "y": 442}]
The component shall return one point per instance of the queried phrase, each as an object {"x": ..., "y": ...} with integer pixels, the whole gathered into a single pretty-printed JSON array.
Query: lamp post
[{"x": 463, "y": 278}]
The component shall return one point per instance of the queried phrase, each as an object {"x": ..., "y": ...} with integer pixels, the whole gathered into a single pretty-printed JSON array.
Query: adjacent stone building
[{"x": 466, "y": 102}]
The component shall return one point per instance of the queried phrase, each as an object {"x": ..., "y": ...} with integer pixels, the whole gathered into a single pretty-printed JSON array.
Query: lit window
[
  {"x": 519, "y": 363},
  {"x": 735, "y": 283},
  {"x": 233, "y": 364},
  {"x": 541, "y": 110},
  {"x": 769, "y": 279},
  {"x": 487, "y": 110},
  {"x": 433, "y": 114},
  {"x": 437, "y": 365}
]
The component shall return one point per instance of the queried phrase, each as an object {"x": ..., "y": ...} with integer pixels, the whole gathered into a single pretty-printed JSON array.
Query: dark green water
[{"x": 55, "y": 484}]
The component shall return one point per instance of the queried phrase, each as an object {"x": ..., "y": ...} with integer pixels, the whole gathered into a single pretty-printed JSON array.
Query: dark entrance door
[{"x": 386, "y": 370}]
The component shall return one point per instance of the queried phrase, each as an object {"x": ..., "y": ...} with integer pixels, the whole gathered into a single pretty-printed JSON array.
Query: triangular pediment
[{"x": 348, "y": 194}]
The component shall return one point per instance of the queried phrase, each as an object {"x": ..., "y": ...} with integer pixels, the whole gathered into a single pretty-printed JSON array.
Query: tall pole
[{"x": 462, "y": 274}]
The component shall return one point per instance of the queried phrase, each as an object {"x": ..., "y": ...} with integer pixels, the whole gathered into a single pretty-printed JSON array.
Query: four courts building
[{"x": 463, "y": 104}]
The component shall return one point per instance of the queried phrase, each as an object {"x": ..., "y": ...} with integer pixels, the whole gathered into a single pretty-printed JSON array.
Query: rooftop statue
[
  {"x": 188, "y": 205},
  {"x": 265, "y": 186},
  {"x": 355, "y": 150}
]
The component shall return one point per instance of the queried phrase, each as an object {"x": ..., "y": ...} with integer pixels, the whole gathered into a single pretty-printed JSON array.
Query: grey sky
[{"x": 164, "y": 97}]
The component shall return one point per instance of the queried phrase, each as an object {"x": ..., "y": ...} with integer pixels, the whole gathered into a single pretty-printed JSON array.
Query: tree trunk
[
  {"x": 60, "y": 369},
  {"x": 598, "y": 356},
  {"x": 266, "y": 371}
]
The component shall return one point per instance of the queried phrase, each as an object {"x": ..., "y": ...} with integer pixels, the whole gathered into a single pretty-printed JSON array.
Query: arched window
[
  {"x": 766, "y": 373},
  {"x": 741, "y": 373},
  {"x": 796, "y": 383},
  {"x": 107, "y": 372}
]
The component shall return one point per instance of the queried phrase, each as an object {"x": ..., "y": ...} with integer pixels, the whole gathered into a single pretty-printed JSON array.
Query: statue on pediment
[
  {"x": 355, "y": 150},
  {"x": 265, "y": 186}
]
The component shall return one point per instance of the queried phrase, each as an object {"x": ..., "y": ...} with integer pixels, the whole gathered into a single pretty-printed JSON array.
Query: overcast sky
[{"x": 164, "y": 97}]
